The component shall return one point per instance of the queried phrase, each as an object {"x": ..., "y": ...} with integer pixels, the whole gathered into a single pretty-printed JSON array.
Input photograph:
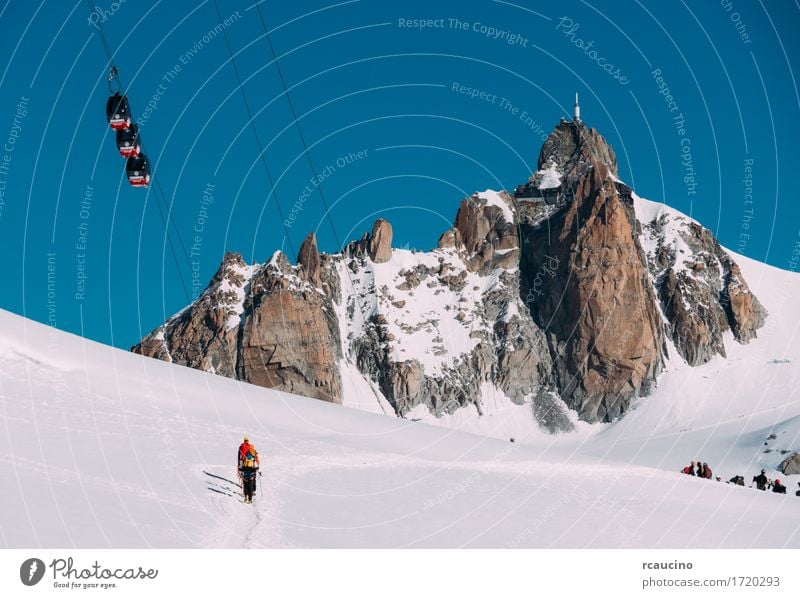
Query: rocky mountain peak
[
  {"x": 566, "y": 156},
  {"x": 701, "y": 289},
  {"x": 231, "y": 262},
  {"x": 376, "y": 244},
  {"x": 572, "y": 293},
  {"x": 572, "y": 146}
]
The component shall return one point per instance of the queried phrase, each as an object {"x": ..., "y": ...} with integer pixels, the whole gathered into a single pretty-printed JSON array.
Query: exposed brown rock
[
  {"x": 380, "y": 242},
  {"x": 288, "y": 343},
  {"x": 274, "y": 330},
  {"x": 472, "y": 224},
  {"x": 483, "y": 231},
  {"x": 595, "y": 300},
  {"x": 590, "y": 328},
  {"x": 199, "y": 336},
  {"x": 308, "y": 259},
  {"x": 450, "y": 239},
  {"x": 746, "y": 312}
]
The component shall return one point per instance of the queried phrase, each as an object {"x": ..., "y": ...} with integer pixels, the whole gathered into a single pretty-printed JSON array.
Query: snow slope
[{"x": 100, "y": 447}]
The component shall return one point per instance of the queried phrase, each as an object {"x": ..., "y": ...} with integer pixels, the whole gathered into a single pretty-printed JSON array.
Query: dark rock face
[
  {"x": 696, "y": 327},
  {"x": 589, "y": 290},
  {"x": 523, "y": 364},
  {"x": 509, "y": 352}
]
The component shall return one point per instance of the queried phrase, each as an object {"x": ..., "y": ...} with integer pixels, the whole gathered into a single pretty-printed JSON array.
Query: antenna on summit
[{"x": 576, "y": 115}]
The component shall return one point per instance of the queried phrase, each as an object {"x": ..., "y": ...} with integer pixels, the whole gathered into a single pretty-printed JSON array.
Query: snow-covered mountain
[
  {"x": 566, "y": 299},
  {"x": 101, "y": 447}
]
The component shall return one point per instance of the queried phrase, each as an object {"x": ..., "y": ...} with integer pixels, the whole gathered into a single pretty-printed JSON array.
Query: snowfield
[{"x": 100, "y": 447}]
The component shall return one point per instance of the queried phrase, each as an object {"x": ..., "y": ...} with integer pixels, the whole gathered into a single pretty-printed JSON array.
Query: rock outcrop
[
  {"x": 289, "y": 339},
  {"x": 308, "y": 259},
  {"x": 790, "y": 465},
  {"x": 380, "y": 242},
  {"x": 205, "y": 334},
  {"x": 450, "y": 239},
  {"x": 268, "y": 325},
  {"x": 439, "y": 333},
  {"x": 745, "y": 313},
  {"x": 700, "y": 287},
  {"x": 588, "y": 288},
  {"x": 486, "y": 232}
]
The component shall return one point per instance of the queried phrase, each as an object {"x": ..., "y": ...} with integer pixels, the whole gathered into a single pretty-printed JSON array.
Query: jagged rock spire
[
  {"x": 308, "y": 258},
  {"x": 380, "y": 242}
]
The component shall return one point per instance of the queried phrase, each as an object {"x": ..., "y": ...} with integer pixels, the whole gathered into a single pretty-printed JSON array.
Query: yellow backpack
[{"x": 250, "y": 459}]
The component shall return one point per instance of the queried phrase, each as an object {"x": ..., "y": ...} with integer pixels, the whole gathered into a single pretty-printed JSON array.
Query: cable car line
[
  {"x": 164, "y": 220},
  {"x": 263, "y": 160},
  {"x": 261, "y": 153},
  {"x": 172, "y": 221},
  {"x": 131, "y": 147},
  {"x": 99, "y": 26},
  {"x": 318, "y": 186},
  {"x": 297, "y": 125}
]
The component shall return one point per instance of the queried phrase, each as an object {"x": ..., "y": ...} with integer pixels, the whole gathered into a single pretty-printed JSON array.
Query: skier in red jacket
[
  {"x": 244, "y": 448},
  {"x": 247, "y": 469}
]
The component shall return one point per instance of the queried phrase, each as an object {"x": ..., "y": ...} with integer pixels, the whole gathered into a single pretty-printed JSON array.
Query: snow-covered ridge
[{"x": 672, "y": 229}]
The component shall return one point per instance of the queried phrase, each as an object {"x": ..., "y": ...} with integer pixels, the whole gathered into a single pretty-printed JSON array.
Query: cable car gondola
[
  {"x": 128, "y": 141},
  {"x": 138, "y": 170},
  {"x": 118, "y": 112}
]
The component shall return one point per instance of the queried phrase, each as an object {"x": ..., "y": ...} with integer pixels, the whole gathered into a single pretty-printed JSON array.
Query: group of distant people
[
  {"x": 699, "y": 469},
  {"x": 762, "y": 482}
]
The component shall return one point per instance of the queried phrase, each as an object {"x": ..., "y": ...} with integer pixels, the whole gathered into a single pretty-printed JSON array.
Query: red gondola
[
  {"x": 128, "y": 142},
  {"x": 118, "y": 112},
  {"x": 138, "y": 170}
]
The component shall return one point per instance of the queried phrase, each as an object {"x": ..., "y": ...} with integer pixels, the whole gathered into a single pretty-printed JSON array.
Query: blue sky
[{"x": 384, "y": 92}]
